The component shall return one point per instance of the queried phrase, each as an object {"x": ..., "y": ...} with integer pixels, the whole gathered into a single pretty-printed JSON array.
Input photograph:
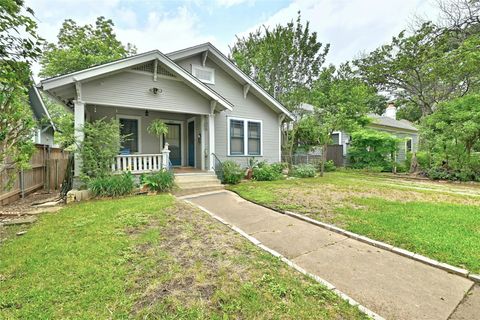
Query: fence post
[
  {"x": 56, "y": 174},
  {"x": 22, "y": 184}
]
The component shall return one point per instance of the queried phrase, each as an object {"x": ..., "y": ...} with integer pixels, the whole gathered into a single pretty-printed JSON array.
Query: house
[
  {"x": 402, "y": 129},
  {"x": 45, "y": 128},
  {"x": 387, "y": 122},
  {"x": 214, "y": 112}
]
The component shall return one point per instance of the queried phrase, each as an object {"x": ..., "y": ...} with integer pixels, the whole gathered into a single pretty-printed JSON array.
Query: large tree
[
  {"x": 80, "y": 47},
  {"x": 340, "y": 103},
  {"x": 285, "y": 61},
  {"x": 19, "y": 47}
]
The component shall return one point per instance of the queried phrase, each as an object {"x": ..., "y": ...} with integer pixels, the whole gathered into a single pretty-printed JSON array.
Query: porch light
[
  {"x": 155, "y": 90},
  {"x": 146, "y": 113}
]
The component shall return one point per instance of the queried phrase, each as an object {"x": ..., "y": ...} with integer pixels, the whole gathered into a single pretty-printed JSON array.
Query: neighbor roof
[
  {"x": 131, "y": 61},
  {"x": 240, "y": 75},
  {"x": 38, "y": 107},
  {"x": 392, "y": 123}
]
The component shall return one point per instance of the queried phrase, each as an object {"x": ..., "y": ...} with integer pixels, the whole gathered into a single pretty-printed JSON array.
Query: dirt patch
[
  {"x": 203, "y": 250},
  {"x": 24, "y": 206}
]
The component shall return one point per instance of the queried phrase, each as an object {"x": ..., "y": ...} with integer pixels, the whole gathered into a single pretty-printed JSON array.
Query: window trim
[
  {"x": 245, "y": 137},
  {"x": 139, "y": 119},
  {"x": 406, "y": 144},
  {"x": 198, "y": 67}
]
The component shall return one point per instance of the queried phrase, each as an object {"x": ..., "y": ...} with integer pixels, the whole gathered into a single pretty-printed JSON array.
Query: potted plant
[
  {"x": 252, "y": 164},
  {"x": 158, "y": 128}
]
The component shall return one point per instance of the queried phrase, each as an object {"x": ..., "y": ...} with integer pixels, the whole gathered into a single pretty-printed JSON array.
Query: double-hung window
[
  {"x": 130, "y": 129},
  {"x": 244, "y": 137},
  {"x": 408, "y": 145}
]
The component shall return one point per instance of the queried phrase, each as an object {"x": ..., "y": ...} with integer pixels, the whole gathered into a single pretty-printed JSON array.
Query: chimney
[{"x": 391, "y": 111}]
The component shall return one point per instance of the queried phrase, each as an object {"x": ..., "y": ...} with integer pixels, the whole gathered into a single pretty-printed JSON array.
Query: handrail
[{"x": 218, "y": 167}]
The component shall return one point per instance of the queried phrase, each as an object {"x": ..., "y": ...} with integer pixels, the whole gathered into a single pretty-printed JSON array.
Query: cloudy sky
[{"x": 350, "y": 26}]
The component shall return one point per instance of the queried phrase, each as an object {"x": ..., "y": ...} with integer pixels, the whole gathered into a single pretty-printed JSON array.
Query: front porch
[{"x": 185, "y": 148}]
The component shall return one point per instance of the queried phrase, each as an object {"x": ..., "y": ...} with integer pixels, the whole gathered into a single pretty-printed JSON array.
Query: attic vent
[
  {"x": 206, "y": 75},
  {"x": 149, "y": 66}
]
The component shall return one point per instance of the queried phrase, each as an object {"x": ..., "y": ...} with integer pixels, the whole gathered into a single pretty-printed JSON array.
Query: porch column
[
  {"x": 79, "y": 121},
  {"x": 202, "y": 142},
  {"x": 211, "y": 140}
]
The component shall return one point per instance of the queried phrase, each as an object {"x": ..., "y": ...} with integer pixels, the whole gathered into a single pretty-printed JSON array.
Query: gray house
[
  {"x": 212, "y": 109},
  {"x": 45, "y": 128}
]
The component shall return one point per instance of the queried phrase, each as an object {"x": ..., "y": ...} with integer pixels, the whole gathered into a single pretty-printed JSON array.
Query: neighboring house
[
  {"x": 211, "y": 108},
  {"x": 45, "y": 128},
  {"x": 387, "y": 122}
]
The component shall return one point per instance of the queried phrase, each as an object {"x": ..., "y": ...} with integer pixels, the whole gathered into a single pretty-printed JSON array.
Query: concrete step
[
  {"x": 195, "y": 178},
  {"x": 189, "y": 191},
  {"x": 199, "y": 183}
]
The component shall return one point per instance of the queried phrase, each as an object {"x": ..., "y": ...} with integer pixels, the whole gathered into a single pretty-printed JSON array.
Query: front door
[
  {"x": 191, "y": 144},
  {"x": 173, "y": 137}
]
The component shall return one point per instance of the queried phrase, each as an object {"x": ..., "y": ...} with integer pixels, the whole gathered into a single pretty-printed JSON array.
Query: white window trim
[
  {"x": 198, "y": 67},
  {"x": 245, "y": 137},
  {"x": 139, "y": 118},
  {"x": 411, "y": 144}
]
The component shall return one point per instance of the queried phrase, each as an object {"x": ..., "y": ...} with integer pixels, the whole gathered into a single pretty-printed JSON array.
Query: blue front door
[
  {"x": 191, "y": 144},
  {"x": 173, "y": 137}
]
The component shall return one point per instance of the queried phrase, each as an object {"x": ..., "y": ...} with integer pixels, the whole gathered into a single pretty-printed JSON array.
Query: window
[
  {"x": 245, "y": 137},
  {"x": 206, "y": 75},
  {"x": 408, "y": 145},
  {"x": 129, "y": 129}
]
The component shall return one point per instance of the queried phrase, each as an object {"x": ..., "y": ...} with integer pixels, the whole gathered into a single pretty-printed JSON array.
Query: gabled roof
[
  {"x": 392, "y": 123},
  {"x": 128, "y": 62},
  {"x": 38, "y": 107},
  {"x": 243, "y": 78}
]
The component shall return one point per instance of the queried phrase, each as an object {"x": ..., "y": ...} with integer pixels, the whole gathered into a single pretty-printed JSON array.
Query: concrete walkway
[{"x": 393, "y": 286}]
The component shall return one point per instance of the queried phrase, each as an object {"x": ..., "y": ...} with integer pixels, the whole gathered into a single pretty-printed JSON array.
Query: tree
[
  {"x": 340, "y": 104},
  {"x": 80, "y": 47},
  {"x": 284, "y": 61},
  {"x": 19, "y": 46},
  {"x": 64, "y": 123}
]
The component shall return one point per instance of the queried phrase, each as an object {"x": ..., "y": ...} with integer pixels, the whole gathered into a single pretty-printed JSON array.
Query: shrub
[
  {"x": 232, "y": 172},
  {"x": 279, "y": 167},
  {"x": 370, "y": 148},
  {"x": 99, "y": 148},
  {"x": 330, "y": 166},
  {"x": 111, "y": 186},
  {"x": 267, "y": 172},
  {"x": 304, "y": 171},
  {"x": 162, "y": 181}
]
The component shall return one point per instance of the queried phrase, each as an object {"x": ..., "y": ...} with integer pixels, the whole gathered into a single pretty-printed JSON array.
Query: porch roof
[{"x": 68, "y": 81}]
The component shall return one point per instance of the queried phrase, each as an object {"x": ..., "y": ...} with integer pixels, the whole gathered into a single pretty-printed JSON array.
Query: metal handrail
[{"x": 218, "y": 167}]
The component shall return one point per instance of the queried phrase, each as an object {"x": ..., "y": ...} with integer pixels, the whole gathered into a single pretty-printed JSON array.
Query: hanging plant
[{"x": 157, "y": 128}]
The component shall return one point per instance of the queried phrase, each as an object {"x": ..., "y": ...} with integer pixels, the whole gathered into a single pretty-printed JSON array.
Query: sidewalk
[{"x": 393, "y": 286}]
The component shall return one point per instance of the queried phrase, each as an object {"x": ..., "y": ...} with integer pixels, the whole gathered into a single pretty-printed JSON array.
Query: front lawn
[
  {"x": 149, "y": 258},
  {"x": 439, "y": 220}
]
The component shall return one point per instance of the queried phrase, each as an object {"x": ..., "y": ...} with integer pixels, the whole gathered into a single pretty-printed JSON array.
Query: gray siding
[
  {"x": 249, "y": 108},
  {"x": 131, "y": 89}
]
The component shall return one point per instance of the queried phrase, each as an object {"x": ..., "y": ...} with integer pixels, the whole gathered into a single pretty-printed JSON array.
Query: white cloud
[
  {"x": 351, "y": 26},
  {"x": 231, "y": 3}
]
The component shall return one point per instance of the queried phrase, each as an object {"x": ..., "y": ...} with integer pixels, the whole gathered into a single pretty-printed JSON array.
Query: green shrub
[
  {"x": 304, "y": 171},
  {"x": 232, "y": 172},
  {"x": 267, "y": 172},
  {"x": 330, "y": 166},
  {"x": 111, "y": 186},
  {"x": 279, "y": 166},
  {"x": 402, "y": 167},
  {"x": 370, "y": 148},
  {"x": 162, "y": 181}
]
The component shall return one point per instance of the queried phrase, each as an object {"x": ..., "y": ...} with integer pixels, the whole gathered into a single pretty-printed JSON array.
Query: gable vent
[{"x": 150, "y": 66}]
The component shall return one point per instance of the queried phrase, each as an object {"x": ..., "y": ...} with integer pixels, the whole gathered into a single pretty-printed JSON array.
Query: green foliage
[
  {"x": 63, "y": 120},
  {"x": 372, "y": 149},
  {"x": 452, "y": 135},
  {"x": 100, "y": 146},
  {"x": 111, "y": 186},
  {"x": 267, "y": 172},
  {"x": 162, "y": 181},
  {"x": 304, "y": 171},
  {"x": 330, "y": 166},
  {"x": 158, "y": 128},
  {"x": 19, "y": 47},
  {"x": 232, "y": 172},
  {"x": 80, "y": 47}
]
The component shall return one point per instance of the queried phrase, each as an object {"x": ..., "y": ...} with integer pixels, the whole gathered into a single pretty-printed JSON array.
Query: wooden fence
[
  {"x": 334, "y": 153},
  {"x": 48, "y": 166}
]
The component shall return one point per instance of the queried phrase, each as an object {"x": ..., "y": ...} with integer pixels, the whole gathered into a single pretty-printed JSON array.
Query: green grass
[
  {"x": 441, "y": 221},
  {"x": 149, "y": 258}
]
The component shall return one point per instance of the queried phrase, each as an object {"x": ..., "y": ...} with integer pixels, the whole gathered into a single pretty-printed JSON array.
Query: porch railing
[{"x": 139, "y": 163}]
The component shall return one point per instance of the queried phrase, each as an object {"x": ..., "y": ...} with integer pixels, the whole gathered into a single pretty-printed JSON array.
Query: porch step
[
  {"x": 198, "y": 182},
  {"x": 188, "y": 191}
]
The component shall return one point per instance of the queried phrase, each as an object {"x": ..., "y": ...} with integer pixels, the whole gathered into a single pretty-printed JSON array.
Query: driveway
[{"x": 391, "y": 285}]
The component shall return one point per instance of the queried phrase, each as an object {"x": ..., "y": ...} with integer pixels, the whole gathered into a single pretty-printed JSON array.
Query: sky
[{"x": 350, "y": 26}]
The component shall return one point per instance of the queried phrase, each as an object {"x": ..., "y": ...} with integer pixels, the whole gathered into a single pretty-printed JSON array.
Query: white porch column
[
  {"x": 211, "y": 140},
  {"x": 202, "y": 142},
  {"x": 165, "y": 157},
  {"x": 79, "y": 121}
]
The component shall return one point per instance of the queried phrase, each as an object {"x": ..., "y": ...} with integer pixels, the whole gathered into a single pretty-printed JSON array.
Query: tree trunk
[{"x": 324, "y": 159}]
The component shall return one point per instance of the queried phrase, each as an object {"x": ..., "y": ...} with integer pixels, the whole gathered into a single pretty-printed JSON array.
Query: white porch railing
[{"x": 139, "y": 163}]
